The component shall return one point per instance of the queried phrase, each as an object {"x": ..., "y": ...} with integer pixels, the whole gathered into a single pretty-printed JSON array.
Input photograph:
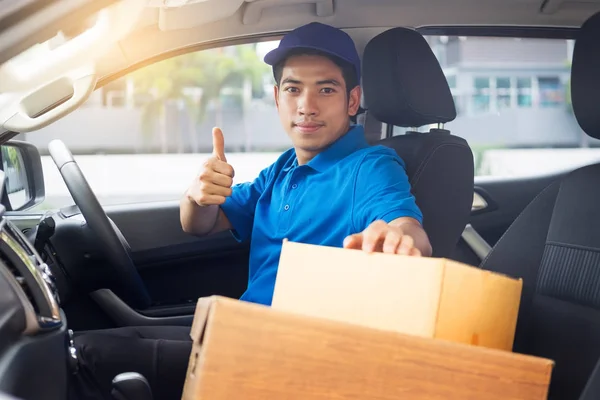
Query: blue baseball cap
[{"x": 321, "y": 37}]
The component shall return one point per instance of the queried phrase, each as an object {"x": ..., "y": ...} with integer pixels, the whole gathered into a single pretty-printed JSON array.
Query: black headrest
[
  {"x": 585, "y": 77},
  {"x": 403, "y": 82}
]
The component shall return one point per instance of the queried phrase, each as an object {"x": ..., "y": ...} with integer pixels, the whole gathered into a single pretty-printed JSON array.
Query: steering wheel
[{"x": 112, "y": 242}]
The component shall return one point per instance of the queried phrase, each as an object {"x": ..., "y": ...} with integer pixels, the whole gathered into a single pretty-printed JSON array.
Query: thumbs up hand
[{"x": 213, "y": 184}]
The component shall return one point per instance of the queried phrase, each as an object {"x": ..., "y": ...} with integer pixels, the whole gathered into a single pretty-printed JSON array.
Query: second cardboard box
[{"x": 427, "y": 297}]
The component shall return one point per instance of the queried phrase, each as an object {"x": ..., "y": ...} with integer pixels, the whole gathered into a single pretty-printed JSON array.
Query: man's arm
[
  {"x": 234, "y": 211},
  {"x": 385, "y": 214},
  {"x": 197, "y": 220}
]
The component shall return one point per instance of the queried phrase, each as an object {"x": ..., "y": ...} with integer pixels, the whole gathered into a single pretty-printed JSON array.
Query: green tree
[{"x": 210, "y": 70}]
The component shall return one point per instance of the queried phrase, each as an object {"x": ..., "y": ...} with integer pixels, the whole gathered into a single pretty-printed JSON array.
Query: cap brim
[{"x": 278, "y": 54}]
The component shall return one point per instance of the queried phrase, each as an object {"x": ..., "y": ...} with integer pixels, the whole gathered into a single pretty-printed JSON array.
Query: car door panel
[
  {"x": 506, "y": 199},
  {"x": 176, "y": 267},
  {"x": 497, "y": 203}
]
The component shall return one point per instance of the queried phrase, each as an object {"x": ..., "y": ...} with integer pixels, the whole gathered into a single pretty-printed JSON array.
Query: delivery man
[{"x": 330, "y": 189}]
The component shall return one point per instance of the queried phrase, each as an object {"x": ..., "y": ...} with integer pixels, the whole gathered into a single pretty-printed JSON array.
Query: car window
[
  {"x": 513, "y": 104},
  {"x": 144, "y": 137}
]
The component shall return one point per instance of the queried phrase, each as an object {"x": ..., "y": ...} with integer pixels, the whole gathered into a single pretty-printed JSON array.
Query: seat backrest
[
  {"x": 405, "y": 86},
  {"x": 554, "y": 246}
]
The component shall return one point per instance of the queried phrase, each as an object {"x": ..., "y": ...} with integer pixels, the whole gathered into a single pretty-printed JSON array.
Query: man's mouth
[{"x": 307, "y": 127}]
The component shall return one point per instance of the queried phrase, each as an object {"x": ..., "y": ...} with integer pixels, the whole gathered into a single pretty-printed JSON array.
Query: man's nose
[{"x": 307, "y": 104}]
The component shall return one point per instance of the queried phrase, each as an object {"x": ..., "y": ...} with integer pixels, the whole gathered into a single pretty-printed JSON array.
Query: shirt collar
[{"x": 347, "y": 144}]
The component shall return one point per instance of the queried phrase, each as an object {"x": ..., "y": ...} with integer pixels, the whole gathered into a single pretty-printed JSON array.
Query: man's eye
[
  {"x": 328, "y": 90},
  {"x": 291, "y": 89}
]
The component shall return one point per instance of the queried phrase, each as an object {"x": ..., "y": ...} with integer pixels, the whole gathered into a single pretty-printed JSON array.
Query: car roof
[{"x": 210, "y": 22}]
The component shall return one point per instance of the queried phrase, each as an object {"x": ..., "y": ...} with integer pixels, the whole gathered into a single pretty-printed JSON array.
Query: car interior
[{"x": 89, "y": 266}]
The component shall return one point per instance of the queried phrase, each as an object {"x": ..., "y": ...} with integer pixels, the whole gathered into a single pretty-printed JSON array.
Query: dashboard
[{"x": 36, "y": 352}]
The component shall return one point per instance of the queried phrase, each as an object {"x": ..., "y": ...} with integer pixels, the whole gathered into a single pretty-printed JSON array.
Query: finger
[
  {"x": 212, "y": 189},
  {"x": 406, "y": 245},
  {"x": 414, "y": 252},
  {"x": 392, "y": 241},
  {"x": 223, "y": 168},
  {"x": 353, "y": 242},
  {"x": 209, "y": 200},
  {"x": 209, "y": 175},
  {"x": 218, "y": 144},
  {"x": 373, "y": 237},
  {"x": 220, "y": 179}
]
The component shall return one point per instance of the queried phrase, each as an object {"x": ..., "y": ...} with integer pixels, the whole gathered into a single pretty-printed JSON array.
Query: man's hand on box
[{"x": 403, "y": 236}]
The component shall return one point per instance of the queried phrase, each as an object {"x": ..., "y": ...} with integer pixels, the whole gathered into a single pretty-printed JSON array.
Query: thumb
[{"x": 218, "y": 144}]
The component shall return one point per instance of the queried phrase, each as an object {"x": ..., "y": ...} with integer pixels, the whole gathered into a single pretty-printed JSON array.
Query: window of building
[
  {"x": 524, "y": 92},
  {"x": 503, "y": 93},
  {"x": 551, "y": 91},
  {"x": 481, "y": 96}
]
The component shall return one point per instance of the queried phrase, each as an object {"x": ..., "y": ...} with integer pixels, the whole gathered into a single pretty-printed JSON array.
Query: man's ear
[
  {"x": 354, "y": 101},
  {"x": 276, "y": 94}
]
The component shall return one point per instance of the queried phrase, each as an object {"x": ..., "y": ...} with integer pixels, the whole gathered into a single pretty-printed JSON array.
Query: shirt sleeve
[
  {"x": 241, "y": 205},
  {"x": 382, "y": 191}
]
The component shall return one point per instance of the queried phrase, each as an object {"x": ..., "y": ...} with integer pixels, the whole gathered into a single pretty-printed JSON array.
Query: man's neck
[{"x": 304, "y": 156}]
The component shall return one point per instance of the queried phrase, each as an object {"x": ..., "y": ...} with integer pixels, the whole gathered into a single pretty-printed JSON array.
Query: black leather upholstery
[
  {"x": 554, "y": 246},
  {"x": 404, "y": 86}
]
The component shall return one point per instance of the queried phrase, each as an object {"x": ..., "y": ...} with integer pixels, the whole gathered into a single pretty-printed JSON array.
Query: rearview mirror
[{"x": 23, "y": 176}]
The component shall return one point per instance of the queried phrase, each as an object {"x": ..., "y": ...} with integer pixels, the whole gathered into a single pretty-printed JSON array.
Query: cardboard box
[
  {"x": 428, "y": 297},
  {"x": 252, "y": 352}
]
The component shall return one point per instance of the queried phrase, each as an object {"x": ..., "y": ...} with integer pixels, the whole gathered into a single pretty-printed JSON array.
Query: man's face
[{"x": 313, "y": 104}]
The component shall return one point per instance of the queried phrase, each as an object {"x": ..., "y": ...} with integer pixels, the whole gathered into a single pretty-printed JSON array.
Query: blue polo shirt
[{"x": 339, "y": 192}]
